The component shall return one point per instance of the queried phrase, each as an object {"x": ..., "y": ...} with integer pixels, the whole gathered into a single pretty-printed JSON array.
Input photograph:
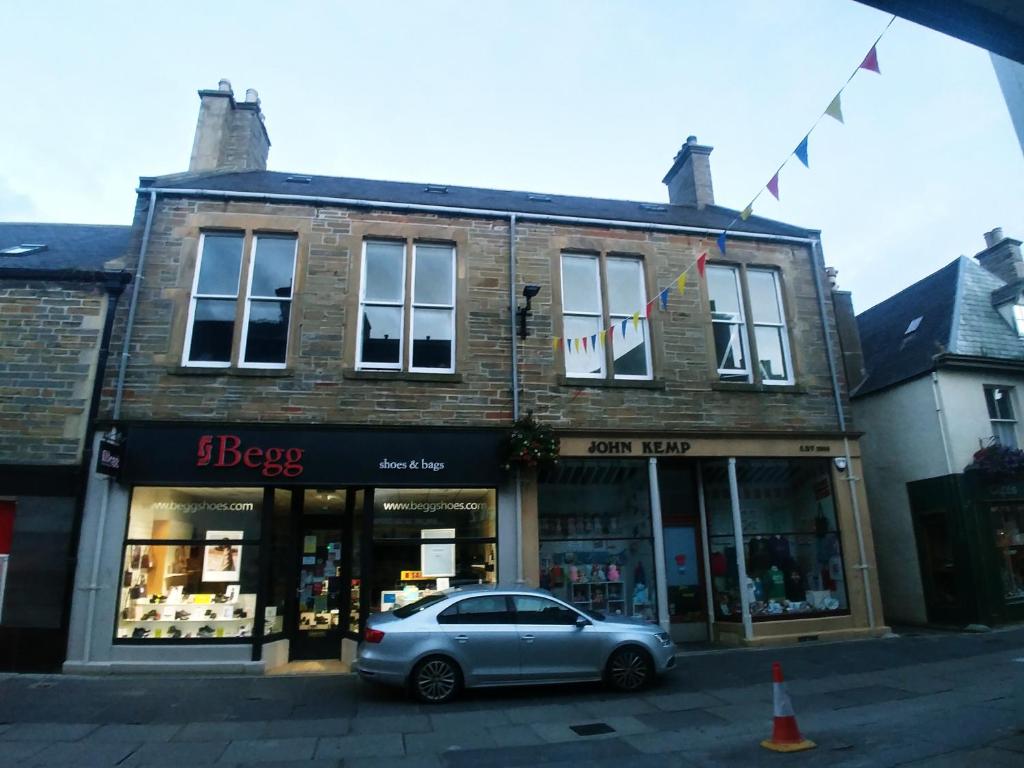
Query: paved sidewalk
[{"x": 921, "y": 700}]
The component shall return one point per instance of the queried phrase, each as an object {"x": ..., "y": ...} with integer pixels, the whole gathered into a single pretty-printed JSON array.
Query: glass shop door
[
  {"x": 684, "y": 552},
  {"x": 320, "y": 614}
]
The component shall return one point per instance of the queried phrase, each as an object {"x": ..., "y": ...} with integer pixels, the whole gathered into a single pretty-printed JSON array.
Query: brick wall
[
  {"x": 320, "y": 386},
  {"x": 49, "y": 344}
]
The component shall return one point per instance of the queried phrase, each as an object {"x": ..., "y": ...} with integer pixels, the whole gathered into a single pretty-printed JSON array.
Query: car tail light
[{"x": 373, "y": 635}]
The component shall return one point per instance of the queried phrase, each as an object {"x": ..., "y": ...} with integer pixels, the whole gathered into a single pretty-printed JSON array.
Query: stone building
[
  {"x": 323, "y": 373},
  {"x": 59, "y": 286}
]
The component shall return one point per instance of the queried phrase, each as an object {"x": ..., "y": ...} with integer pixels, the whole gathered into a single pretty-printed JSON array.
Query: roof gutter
[
  {"x": 488, "y": 212},
  {"x": 111, "y": 279}
]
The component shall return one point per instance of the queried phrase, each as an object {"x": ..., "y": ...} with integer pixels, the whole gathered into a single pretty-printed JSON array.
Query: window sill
[
  {"x": 567, "y": 381},
  {"x": 254, "y": 373},
  {"x": 744, "y": 386},
  {"x": 446, "y": 378}
]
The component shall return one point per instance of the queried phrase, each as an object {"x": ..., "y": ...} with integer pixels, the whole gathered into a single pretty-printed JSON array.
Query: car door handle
[
  {"x": 462, "y": 638},
  {"x": 527, "y": 638}
]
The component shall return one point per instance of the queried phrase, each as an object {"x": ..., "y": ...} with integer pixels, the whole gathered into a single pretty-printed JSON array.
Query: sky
[{"x": 558, "y": 96}]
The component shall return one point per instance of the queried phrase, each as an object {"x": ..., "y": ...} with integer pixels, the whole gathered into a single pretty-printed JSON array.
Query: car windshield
[{"x": 424, "y": 602}]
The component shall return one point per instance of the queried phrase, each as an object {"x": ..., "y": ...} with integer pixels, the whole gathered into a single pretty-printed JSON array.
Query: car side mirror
[{"x": 582, "y": 622}]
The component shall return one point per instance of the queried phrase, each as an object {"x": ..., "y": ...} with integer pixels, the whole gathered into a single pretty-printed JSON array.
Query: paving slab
[
  {"x": 221, "y": 730},
  {"x": 243, "y": 751},
  {"x": 975, "y": 758},
  {"x": 413, "y": 761},
  {"x": 618, "y": 706},
  {"x": 176, "y": 753},
  {"x": 94, "y": 755},
  {"x": 14, "y": 753},
  {"x": 361, "y": 745},
  {"x": 48, "y": 732},
  {"x": 395, "y": 724},
  {"x": 572, "y": 753},
  {"x": 332, "y": 726},
  {"x": 143, "y": 733},
  {"x": 674, "y": 702},
  {"x": 548, "y": 713},
  {"x": 515, "y": 736},
  {"x": 677, "y": 721},
  {"x": 482, "y": 719},
  {"x": 449, "y": 738}
]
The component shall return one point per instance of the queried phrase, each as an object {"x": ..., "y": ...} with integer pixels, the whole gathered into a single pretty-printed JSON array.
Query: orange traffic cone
[{"x": 785, "y": 732}]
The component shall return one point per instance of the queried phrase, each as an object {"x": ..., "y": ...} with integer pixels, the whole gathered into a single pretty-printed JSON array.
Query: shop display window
[
  {"x": 791, "y": 545},
  {"x": 191, "y": 565},
  {"x": 596, "y": 549},
  {"x": 1008, "y": 520},
  {"x": 398, "y": 577},
  {"x": 403, "y": 513},
  {"x": 429, "y": 539}
]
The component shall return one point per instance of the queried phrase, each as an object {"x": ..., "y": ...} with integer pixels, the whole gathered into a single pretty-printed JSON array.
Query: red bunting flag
[
  {"x": 773, "y": 186},
  {"x": 584, "y": 343},
  {"x": 647, "y": 314},
  {"x": 611, "y": 332},
  {"x": 871, "y": 61},
  {"x": 701, "y": 261}
]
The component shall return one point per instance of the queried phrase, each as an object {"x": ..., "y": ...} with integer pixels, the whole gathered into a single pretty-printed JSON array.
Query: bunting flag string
[{"x": 833, "y": 110}]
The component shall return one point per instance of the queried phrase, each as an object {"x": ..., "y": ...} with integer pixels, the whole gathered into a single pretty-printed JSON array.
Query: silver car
[{"x": 491, "y": 636}]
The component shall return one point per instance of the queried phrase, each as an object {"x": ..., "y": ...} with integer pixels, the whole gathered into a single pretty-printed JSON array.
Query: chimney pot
[
  {"x": 252, "y": 96},
  {"x": 224, "y": 85},
  {"x": 993, "y": 237},
  {"x": 691, "y": 139}
]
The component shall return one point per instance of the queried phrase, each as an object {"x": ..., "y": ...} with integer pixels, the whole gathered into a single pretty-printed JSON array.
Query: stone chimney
[
  {"x": 849, "y": 332},
  {"x": 689, "y": 178},
  {"x": 1002, "y": 256},
  {"x": 230, "y": 135}
]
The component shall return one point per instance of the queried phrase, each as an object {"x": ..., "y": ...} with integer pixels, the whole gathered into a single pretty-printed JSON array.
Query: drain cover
[{"x": 592, "y": 729}]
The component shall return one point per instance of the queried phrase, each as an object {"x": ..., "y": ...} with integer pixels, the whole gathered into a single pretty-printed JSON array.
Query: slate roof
[
  {"x": 274, "y": 182},
  {"x": 957, "y": 317},
  {"x": 69, "y": 247}
]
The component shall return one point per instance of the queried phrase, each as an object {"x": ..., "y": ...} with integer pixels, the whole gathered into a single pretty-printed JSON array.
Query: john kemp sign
[{"x": 203, "y": 455}]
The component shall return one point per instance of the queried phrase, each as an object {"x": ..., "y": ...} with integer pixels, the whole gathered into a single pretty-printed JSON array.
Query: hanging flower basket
[
  {"x": 530, "y": 444},
  {"x": 998, "y": 461}
]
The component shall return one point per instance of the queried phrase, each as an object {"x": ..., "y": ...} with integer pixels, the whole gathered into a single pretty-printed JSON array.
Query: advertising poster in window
[
  {"x": 437, "y": 559},
  {"x": 222, "y": 561}
]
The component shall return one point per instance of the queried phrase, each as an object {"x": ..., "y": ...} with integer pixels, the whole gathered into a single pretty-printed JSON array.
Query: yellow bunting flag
[
  {"x": 835, "y": 109},
  {"x": 681, "y": 282},
  {"x": 745, "y": 213},
  {"x": 577, "y": 344},
  {"x": 636, "y": 320},
  {"x": 602, "y": 334},
  {"x": 554, "y": 343}
]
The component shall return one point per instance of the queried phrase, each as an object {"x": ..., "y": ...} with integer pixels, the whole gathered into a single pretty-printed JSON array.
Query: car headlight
[{"x": 664, "y": 639}]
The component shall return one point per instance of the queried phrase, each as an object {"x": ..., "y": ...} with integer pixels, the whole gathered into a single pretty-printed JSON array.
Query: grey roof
[
  {"x": 69, "y": 247},
  {"x": 711, "y": 217},
  {"x": 957, "y": 318}
]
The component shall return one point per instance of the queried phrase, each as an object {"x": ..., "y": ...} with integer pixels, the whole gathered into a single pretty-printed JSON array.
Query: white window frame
[
  {"x": 414, "y": 305},
  {"x": 360, "y": 365},
  {"x": 643, "y": 324},
  {"x": 407, "y": 306},
  {"x": 243, "y": 343},
  {"x": 1009, "y": 394},
  {"x": 784, "y": 334},
  {"x": 195, "y": 297},
  {"x": 741, "y": 323},
  {"x": 603, "y": 373}
]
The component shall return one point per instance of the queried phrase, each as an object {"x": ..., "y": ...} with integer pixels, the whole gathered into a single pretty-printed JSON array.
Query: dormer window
[{"x": 1018, "y": 318}]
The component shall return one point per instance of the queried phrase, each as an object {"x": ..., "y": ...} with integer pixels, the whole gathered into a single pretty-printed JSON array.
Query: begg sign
[{"x": 227, "y": 451}]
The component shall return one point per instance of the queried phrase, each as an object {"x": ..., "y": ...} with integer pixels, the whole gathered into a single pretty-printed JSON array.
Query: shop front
[
  {"x": 969, "y": 530},
  {"x": 247, "y": 548},
  {"x": 721, "y": 539}
]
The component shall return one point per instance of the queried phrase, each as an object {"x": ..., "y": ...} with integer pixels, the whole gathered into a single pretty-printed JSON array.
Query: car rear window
[{"x": 424, "y": 602}]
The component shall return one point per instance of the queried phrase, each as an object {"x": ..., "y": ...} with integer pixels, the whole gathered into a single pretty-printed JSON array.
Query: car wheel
[
  {"x": 629, "y": 669},
  {"x": 436, "y": 680}
]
